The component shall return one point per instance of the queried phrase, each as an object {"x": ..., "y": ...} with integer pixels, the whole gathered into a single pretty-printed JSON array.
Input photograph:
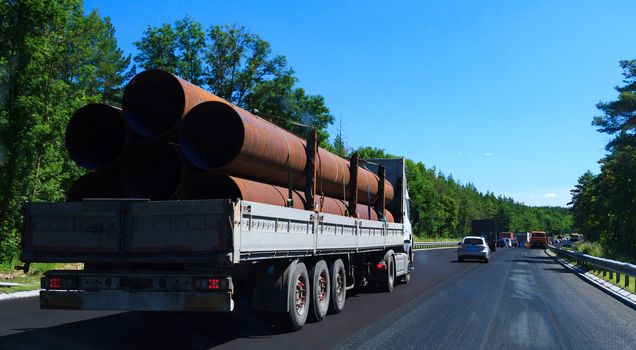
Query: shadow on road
[
  {"x": 125, "y": 331},
  {"x": 556, "y": 269}
]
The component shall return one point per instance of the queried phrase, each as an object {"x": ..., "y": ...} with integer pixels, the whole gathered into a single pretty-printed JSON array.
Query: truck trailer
[
  {"x": 207, "y": 255},
  {"x": 488, "y": 229}
]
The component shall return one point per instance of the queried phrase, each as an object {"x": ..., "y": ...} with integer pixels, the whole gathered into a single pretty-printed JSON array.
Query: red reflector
[
  {"x": 380, "y": 265},
  {"x": 214, "y": 283},
  {"x": 55, "y": 283}
]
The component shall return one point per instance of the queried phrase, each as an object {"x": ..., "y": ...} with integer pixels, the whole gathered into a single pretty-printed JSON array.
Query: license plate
[{"x": 473, "y": 249}]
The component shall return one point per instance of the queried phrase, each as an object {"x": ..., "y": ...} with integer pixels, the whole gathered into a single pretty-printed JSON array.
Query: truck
[
  {"x": 175, "y": 257},
  {"x": 486, "y": 228},
  {"x": 509, "y": 235},
  {"x": 538, "y": 239}
]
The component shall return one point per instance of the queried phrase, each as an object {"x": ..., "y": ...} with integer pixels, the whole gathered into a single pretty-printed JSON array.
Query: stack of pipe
[{"x": 174, "y": 140}]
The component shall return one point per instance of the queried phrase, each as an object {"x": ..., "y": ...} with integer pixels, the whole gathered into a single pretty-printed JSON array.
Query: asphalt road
[{"x": 521, "y": 299}]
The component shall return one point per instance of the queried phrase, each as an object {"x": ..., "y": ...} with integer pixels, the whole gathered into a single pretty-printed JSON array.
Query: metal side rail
[
  {"x": 433, "y": 245},
  {"x": 589, "y": 262}
]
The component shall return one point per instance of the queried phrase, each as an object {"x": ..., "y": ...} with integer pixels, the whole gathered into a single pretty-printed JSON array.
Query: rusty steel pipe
[
  {"x": 95, "y": 185},
  {"x": 155, "y": 101},
  {"x": 222, "y": 137},
  {"x": 96, "y": 136},
  {"x": 209, "y": 185},
  {"x": 153, "y": 169}
]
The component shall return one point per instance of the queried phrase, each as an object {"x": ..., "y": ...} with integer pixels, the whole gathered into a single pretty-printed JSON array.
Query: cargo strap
[{"x": 290, "y": 185}]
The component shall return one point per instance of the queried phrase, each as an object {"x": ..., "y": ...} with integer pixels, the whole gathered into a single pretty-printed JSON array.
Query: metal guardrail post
[{"x": 604, "y": 268}]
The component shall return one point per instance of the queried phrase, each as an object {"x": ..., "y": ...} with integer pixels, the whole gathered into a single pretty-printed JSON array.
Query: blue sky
[{"x": 497, "y": 93}]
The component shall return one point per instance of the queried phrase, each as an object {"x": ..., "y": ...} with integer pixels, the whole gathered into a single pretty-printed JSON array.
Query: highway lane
[
  {"x": 521, "y": 299},
  {"x": 23, "y": 325}
]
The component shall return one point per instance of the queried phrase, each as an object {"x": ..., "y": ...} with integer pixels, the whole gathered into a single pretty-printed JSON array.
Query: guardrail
[
  {"x": 589, "y": 262},
  {"x": 430, "y": 245}
]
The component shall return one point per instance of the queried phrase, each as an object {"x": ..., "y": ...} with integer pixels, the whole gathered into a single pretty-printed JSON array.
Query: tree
[
  {"x": 339, "y": 145},
  {"x": 56, "y": 60},
  {"x": 238, "y": 66},
  {"x": 157, "y": 49},
  {"x": 604, "y": 205},
  {"x": 190, "y": 45}
]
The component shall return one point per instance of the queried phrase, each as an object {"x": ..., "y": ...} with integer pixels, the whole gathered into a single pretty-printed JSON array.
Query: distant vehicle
[
  {"x": 574, "y": 237},
  {"x": 509, "y": 235},
  {"x": 508, "y": 242},
  {"x": 515, "y": 243},
  {"x": 487, "y": 229},
  {"x": 538, "y": 239},
  {"x": 473, "y": 247},
  {"x": 501, "y": 243}
]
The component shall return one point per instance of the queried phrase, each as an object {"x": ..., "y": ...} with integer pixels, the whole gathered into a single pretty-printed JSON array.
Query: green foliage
[
  {"x": 443, "y": 208},
  {"x": 592, "y": 248},
  {"x": 55, "y": 59},
  {"x": 238, "y": 66},
  {"x": 604, "y": 205}
]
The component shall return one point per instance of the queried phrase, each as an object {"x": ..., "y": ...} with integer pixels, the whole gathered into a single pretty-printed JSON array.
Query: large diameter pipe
[
  {"x": 220, "y": 136},
  {"x": 153, "y": 169},
  {"x": 96, "y": 136},
  {"x": 95, "y": 185},
  {"x": 154, "y": 101},
  {"x": 208, "y": 185}
]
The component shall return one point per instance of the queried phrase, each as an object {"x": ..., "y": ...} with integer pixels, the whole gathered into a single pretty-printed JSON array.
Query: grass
[
  {"x": 30, "y": 280},
  {"x": 592, "y": 248},
  {"x": 437, "y": 239},
  {"x": 611, "y": 277}
]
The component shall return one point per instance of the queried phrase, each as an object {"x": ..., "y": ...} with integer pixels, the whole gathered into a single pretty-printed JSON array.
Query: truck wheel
[
  {"x": 298, "y": 296},
  {"x": 387, "y": 284},
  {"x": 320, "y": 290},
  {"x": 406, "y": 278},
  {"x": 338, "y": 287}
]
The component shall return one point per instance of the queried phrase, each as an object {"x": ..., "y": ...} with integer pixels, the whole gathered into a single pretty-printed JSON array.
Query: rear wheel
[
  {"x": 338, "y": 286},
  {"x": 298, "y": 296},
  {"x": 320, "y": 290},
  {"x": 387, "y": 284}
]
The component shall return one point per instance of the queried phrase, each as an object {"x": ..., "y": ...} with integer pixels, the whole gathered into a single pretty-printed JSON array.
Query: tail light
[
  {"x": 212, "y": 284},
  {"x": 59, "y": 282},
  {"x": 380, "y": 266}
]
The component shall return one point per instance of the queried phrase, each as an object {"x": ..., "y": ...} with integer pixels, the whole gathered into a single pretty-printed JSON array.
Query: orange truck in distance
[{"x": 538, "y": 239}]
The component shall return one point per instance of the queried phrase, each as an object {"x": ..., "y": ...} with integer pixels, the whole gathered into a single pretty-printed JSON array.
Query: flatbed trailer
[{"x": 205, "y": 255}]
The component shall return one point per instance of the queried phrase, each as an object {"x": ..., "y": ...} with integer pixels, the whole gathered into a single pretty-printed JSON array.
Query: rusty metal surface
[
  {"x": 222, "y": 137},
  {"x": 209, "y": 185},
  {"x": 154, "y": 101},
  {"x": 97, "y": 135},
  {"x": 96, "y": 185},
  {"x": 154, "y": 169}
]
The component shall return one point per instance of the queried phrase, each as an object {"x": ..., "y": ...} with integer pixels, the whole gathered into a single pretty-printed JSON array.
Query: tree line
[
  {"x": 442, "y": 207},
  {"x": 55, "y": 58},
  {"x": 604, "y": 204}
]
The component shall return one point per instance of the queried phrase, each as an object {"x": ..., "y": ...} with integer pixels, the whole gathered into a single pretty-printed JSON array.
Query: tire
[
  {"x": 388, "y": 283},
  {"x": 406, "y": 278},
  {"x": 338, "y": 286},
  {"x": 320, "y": 291},
  {"x": 486, "y": 260},
  {"x": 298, "y": 296}
]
